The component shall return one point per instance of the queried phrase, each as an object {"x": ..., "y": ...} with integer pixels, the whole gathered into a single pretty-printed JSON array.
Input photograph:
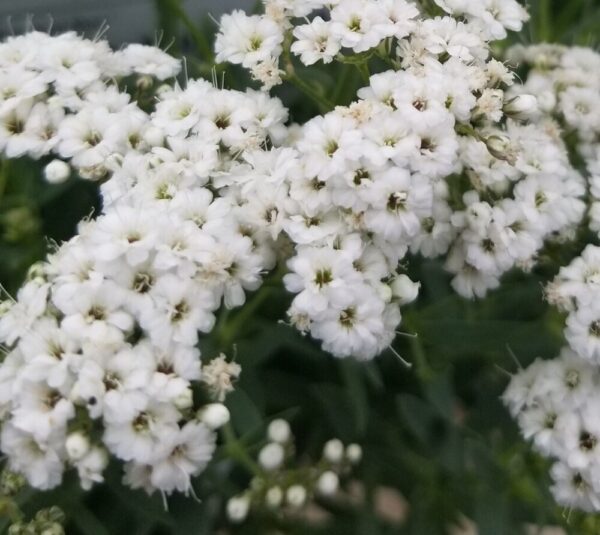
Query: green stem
[
  {"x": 235, "y": 449},
  {"x": 341, "y": 83},
  {"x": 363, "y": 69},
  {"x": 544, "y": 21},
  {"x": 323, "y": 103},
  {"x": 230, "y": 331},
  {"x": 196, "y": 34},
  {"x": 4, "y": 172},
  {"x": 422, "y": 367}
]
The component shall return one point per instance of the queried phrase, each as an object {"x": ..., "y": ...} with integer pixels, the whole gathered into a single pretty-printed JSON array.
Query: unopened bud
[
  {"x": 77, "y": 445},
  {"x": 51, "y": 514},
  {"x": 144, "y": 82},
  {"x": 214, "y": 415},
  {"x": 57, "y": 172},
  {"x": 279, "y": 431},
  {"x": 500, "y": 147},
  {"x": 521, "y": 106},
  {"x": 11, "y": 483},
  {"x": 405, "y": 290},
  {"x": 52, "y": 529},
  {"x": 328, "y": 483},
  {"x": 5, "y": 307},
  {"x": 384, "y": 292},
  {"x": 296, "y": 495},
  {"x": 184, "y": 400},
  {"x": 237, "y": 508},
  {"x": 334, "y": 451},
  {"x": 271, "y": 456},
  {"x": 354, "y": 453},
  {"x": 274, "y": 497}
]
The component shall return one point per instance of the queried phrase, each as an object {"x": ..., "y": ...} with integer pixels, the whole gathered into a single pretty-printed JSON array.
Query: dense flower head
[{"x": 102, "y": 339}]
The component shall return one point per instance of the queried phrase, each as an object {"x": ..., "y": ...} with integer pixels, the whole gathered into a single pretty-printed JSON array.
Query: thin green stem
[
  {"x": 363, "y": 69},
  {"x": 341, "y": 83},
  {"x": 236, "y": 451},
  {"x": 422, "y": 367},
  {"x": 197, "y": 35},
  {"x": 544, "y": 20},
  {"x": 324, "y": 104},
  {"x": 230, "y": 330},
  {"x": 4, "y": 172}
]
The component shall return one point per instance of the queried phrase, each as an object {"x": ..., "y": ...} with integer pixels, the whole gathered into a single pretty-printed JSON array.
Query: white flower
[
  {"x": 149, "y": 60},
  {"x": 315, "y": 42},
  {"x": 248, "y": 40}
]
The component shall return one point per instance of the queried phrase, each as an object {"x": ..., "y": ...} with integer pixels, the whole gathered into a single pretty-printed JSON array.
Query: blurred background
[{"x": 129, "y": 21}]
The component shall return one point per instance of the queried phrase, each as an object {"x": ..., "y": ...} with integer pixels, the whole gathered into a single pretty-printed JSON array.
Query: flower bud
[
  {"x": 384, "y": 292},
  {"x": 521, "y": 106},
  {"x": 57, "y": 172},
  {"x": 274, "y": 497},
  {"x": 296, "y": 496},
  {"x": 500, "y": 147},
  {"x": 52, "y": 529},
  {"x": 144, "y": 82},
  {"x": 271, "y": 456},
  {"x": 354, "y": 453},
  {"x": 185, "y": 400},
  {"x": 77, "y": 445},
  {"x": 237, "y": 508},
  {"x": 328, "y": 483},
  {"x": 405, "y": 290},
  {"x": 279, "y": 431},
  {"x": 334, "y": 451},
  {"x": 5, "y": 307},
  {"x": 214, "y": 415},
  {"x": 11, "y": 483},
  {"x": 37, "y": 272},
  {"x": 51, "y": 514}
]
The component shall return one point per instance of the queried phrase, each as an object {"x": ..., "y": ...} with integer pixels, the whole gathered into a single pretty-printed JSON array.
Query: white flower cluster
[
  {"x": 101, "y": 342},
  {"x": 358, "y": 26},
  {"x": 60, "y": 95},
  {"x": 277, "y": 485},
  {"x": 560, "y": 76},
  {"x": 434, "y": 159},
  {"x": 556, "y": 402},
  {"x": 556, "y": 405}
]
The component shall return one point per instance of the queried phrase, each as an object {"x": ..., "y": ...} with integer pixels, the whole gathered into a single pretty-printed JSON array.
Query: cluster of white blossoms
[
  {"x": 102, "y": 340},
  {"x": 257, "y": 42},
  {"x": 278, "y": 485},
  {"x": 556, "y": 405},
  {"x": 560, "y": 76},
  {"x": 60, "y": 95},
  {"x": 556, "y": 402}
]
